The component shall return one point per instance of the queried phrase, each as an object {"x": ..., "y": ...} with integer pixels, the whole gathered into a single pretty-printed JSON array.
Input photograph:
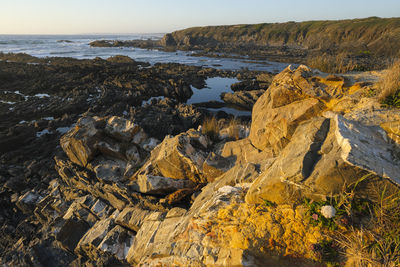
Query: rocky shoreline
[
  {"x": 91, "y": 174},
  {"x": 363, "y": 44},
  {"x": 42, "y": 98}
]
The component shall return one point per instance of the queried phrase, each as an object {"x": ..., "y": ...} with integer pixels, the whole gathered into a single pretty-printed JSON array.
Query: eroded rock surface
[{"x": 122, "y": 197}]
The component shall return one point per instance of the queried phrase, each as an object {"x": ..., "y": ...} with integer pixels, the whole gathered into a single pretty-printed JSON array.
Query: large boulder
[
  {"x": 291, "y": 99},
  {"x": 179, "y": 157},
  {"x": 324, "y": 156},
  {"x": 80, "y": 142}
]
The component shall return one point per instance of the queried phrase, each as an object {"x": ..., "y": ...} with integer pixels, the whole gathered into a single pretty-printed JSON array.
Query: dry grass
[
  {"x": 390, "y": 82},
  {"x": 375, "y": 240},
  {"x": 234, "y": 129},
  {"x": 340, "y": 63},
  {"x": 211, "y": 128}
]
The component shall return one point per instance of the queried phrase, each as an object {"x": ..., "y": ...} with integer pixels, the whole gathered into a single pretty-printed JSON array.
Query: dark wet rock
[
  {"x": 166, "y": 116},
  {"x": 242, "y": 99},
  {"x": 71, "y": 232},
  {"x": 168, "y": 40},
  {"x": 210, "y": 104}
]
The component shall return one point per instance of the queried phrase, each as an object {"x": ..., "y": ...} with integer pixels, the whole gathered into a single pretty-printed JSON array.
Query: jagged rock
[
  {"x": 117, "y": 242},
  {"x": 250, "y": 85},
  {"x": 167, "y": 117},
  {"x": 121, "y": 129},
  {"x": 94, "y": 236},
  {"x": 215, "y": 165},
  {"x": 27, "y": 202},
  {"x": 150, "y": 144},
  {"x": 158, "y": 185},
  {"x": 80, "y": 142},
  {"x": 234, "y": 132},
  {"x": 132, "y": 217},
  {"x": 242, "y": 99},
  {"x": 179, "y": 195},
  {"x": 369, "y": 111},
  {"x": 168, "y": 40},
  {"x": 393, "y": 130},
  {"x": 324, "y": 156},
  {"x": 179, "y": 157},
  {"x": 289, "y": 100},
  {"x": 71, "y": 232},
  {"x": 155, "y": 235},
  {"x": 111, "y": 149},
  {"x": 110, "y": 171},
  {"x": 101, "y": 209},
  {"x": 242, "y": 151},
  {"x": 76, "y": 210}
]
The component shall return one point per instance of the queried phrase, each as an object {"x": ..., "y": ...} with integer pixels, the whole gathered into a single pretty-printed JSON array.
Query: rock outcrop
[
  {"x": 288, "y": 101},
  {"x": 242, "y": 99},
  {"x": 123, "y": 197}
]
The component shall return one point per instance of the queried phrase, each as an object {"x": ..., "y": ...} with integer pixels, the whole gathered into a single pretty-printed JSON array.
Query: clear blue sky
[{"x": 157, "y": 16}]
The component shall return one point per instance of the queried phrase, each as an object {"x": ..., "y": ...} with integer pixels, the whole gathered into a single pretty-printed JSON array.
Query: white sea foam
[
  {"x": 42, "y": 95},
  {"x": 39, "y": 134}
]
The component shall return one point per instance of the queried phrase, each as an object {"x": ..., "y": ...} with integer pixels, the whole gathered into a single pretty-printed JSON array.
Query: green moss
[{"x": 392, "y": 100}]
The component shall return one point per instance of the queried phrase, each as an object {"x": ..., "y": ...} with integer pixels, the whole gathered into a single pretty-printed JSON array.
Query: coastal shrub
[
  {"x": 210, "y": 127},
  {"x": 339, "y": 63},
  {"x": 389, "y": 86}
]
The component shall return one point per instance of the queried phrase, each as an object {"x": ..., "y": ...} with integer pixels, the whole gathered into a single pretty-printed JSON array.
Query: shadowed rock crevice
[{"x": 314, "y": 154}]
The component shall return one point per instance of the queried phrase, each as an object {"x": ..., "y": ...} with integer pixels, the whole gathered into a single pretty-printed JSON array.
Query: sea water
[{"x": 77, "y": 46}]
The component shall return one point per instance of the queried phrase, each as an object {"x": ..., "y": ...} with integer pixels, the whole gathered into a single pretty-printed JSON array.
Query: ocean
[{"x": 77, "y": 46}]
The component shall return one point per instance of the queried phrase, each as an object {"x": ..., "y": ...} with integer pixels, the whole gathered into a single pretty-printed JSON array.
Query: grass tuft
[
  {"x": 389, "y": 85},
  {"x": 211, "y": 128}
]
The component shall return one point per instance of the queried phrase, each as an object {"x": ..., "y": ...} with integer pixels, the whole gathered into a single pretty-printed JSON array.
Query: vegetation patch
[{"x": 389, "y": 86}]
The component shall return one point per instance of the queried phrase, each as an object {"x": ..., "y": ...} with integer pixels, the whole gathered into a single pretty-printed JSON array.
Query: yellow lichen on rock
[{"x": 279, "y": 231}]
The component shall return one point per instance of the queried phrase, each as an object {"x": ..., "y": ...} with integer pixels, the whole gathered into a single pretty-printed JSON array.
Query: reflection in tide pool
[{"x": 214, "y": 87}]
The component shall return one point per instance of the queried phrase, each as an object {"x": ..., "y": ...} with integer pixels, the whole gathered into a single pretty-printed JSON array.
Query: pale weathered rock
[
  {"x": 274, "y": 127},
  {"x": 179, "y": 157},
  {"x": 215, "y": 165},
  {"x": 324, "y": 157},
  {"x": 117, "y": 242},
  {"x": 80, "y": 142},
  {"x": 367, "y": 148},
  {"x": 110, "y": 170},
  {"x": 242, "y": 151},
  {"x": 155, "y": 236},
  {"x": 158, "y": 185},
  {"x": 76, "y": 210},
  {"x": 111, "y": 149},
  {"x": 132, "y": 217},
  {"x": 150, "y": 144},
  {"x": 369, "y": 111},
  {"x": 121, "y": 128},
  {"x": 289, "y": 100},
  {"x": 101, "y": 209},
  {"x": 92, "y": 238},
  {"x": 392, "y": 129},
  {"x": 234, "y": 132},
  {"x": 133, "y": 155},
  {"x": 26, "y": 203}
]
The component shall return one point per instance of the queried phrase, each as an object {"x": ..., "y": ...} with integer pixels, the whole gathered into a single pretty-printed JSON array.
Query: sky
[{"x": 161, "y": 16}]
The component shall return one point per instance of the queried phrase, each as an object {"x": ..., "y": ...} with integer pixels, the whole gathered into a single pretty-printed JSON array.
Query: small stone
[{"x": 328, "y": 211}]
